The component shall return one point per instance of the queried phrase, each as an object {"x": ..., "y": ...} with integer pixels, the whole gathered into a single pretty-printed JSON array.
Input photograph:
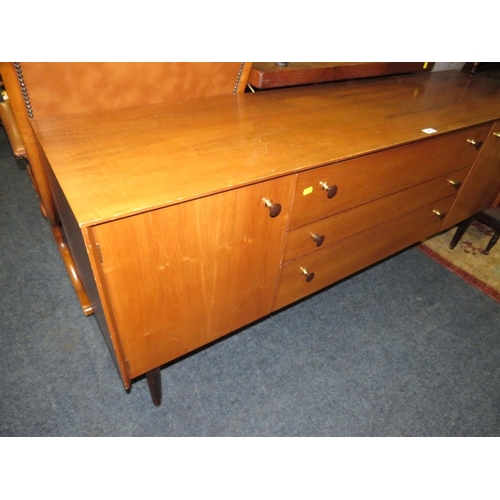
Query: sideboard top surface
[{"x": 115, "y": 164}]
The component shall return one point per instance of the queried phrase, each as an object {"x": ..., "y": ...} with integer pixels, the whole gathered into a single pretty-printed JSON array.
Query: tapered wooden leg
[
  {"x": 491, "y": 243},
  {"x": 462, "y": 227},
  {"x": 154, "y": 382}
]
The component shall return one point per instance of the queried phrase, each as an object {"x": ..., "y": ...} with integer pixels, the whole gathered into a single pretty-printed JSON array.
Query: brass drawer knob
[
  {"x": 455, "y": 184},
  {"x": 318, "y": 238},
  {"x": 274, "y": 208},
  {"x": 331, "y": 191},
  {"x": 476, "y": 144},
  {"x": 309, "y": 276},
  {"x": 441, "y": 215},
  {"x": 496, "y": 134}
]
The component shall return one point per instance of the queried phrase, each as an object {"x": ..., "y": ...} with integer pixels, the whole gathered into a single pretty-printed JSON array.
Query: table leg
[
  {"x": 154, "y": 382},
  {"x": 462, "y": 227},
  {"x": 491, "y": 243}
]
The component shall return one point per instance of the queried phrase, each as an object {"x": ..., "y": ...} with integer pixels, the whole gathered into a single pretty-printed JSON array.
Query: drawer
[
  {"x": 369, "y": 177},
  {"x": 317, "y": 270},
  {"x": 324, "y": 232}
]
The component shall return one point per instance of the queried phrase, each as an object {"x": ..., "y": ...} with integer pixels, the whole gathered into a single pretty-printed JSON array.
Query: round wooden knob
[
  {"x": 331, "y": 191},
  {"x": 309, "y": 276},
  {"x": 318, "y": 238},
  {"x": 274, "y": 208}
]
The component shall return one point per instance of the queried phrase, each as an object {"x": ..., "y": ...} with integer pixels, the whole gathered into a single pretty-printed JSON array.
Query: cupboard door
[
  {"x": 483, "y": 183},
  {"x": 180, "y": 277}
]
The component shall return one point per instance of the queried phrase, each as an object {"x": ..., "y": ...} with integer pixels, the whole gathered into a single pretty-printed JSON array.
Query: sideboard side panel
[
  {"x": 481, "y": 187},
  {"x": 82, "y": 251}
]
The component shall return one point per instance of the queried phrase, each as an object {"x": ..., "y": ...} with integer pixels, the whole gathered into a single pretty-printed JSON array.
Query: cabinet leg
[
  {"x": 491, "y": 243},
  {"x": 462, "y": 227},
  {"x": 154, "y": 382}
]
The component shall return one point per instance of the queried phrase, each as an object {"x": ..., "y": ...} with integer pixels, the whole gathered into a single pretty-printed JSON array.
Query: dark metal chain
[
  {"x": 24, "y": 91},
  {"x": 238, "y": 78}
]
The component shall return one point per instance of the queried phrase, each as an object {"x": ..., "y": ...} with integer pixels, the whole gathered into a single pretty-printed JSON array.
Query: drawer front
[
  {"x": 357, "y": 252},
  {"x": 369, "y": 177},
  {"x": 312, "y": 237}
]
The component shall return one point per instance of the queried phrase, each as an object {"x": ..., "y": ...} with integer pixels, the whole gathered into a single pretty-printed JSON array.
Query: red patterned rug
[{"x": 467, "y": 260}]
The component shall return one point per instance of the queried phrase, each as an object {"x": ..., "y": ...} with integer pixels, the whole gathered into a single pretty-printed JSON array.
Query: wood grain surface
[
  {"x": 114, "y": 164},
  {"x": 183, "y": 276},
  {"x": 347, "y": 256},
  {"x": 349, "y": 222}
]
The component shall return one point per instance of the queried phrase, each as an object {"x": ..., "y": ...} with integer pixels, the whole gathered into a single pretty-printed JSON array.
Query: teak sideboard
[{"x": 192, "y": 219}]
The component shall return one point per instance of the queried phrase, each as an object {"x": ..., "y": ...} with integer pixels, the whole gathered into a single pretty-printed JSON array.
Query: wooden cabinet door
[
  {"x": 483, "y": 183},
  {"x": 179, "y": 277}
]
